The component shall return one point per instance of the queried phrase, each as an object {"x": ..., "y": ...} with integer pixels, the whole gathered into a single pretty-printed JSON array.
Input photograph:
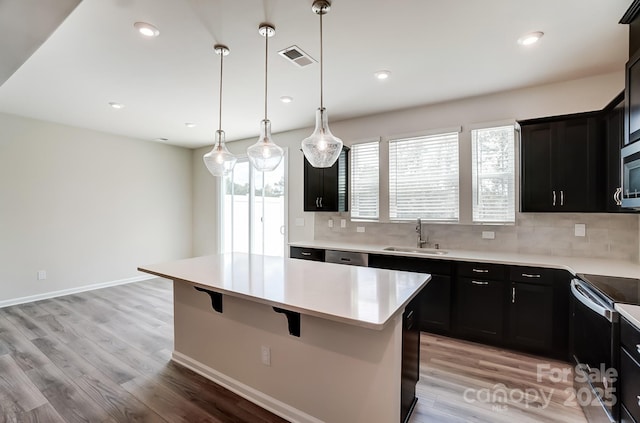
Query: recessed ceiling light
[
  {"x": 190, "y": 125},
  {"x": 382, "y": 75},
  {"x": 146, "y": 29},
  {"x": 286, "y": 99},
  {"x": 530, "y": 38},
  {"x": 161, "y": 139},
  {"x": 115, "y": 105}
]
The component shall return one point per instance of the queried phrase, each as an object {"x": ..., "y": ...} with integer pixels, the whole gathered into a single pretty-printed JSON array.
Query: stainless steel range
[{"x": 595, "y": 341}]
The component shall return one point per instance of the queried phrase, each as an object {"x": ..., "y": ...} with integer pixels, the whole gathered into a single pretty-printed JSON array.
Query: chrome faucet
[{"x": 421, "y": 242}]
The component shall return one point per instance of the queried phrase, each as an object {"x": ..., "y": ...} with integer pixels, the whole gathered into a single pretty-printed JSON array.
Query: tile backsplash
[{"x": 613, "y": 236}]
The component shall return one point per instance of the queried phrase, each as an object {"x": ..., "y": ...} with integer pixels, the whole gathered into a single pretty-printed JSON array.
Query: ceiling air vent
[{"x": 296, "y": 56}]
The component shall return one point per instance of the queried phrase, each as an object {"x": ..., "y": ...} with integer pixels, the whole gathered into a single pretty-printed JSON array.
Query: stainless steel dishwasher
[{"x": 346, "y": 257}]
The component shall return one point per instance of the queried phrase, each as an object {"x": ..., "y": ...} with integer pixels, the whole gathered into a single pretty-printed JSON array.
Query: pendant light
[
  {"x": 219, "y": 160},
  {"x": 265, "y": 155},
  {"x": 322, "y": 148}
]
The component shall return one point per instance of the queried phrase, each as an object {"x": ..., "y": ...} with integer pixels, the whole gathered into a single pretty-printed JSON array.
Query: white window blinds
[
  {"x": 423, "y": 178},
  {"x": 493, "y": 169},
  {"x": 365, "y": 172}
]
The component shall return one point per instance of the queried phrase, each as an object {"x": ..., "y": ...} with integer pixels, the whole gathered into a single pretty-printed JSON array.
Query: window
[
  {"x": 365, "y": 171},
  {"x": 493, "y": 169},
  {"x": 423, "y": 178},
  {"x": 253, "y": 215}
]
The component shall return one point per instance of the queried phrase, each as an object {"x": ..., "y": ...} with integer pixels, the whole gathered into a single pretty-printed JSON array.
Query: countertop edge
[
  {"x": 307, "y": 312},
  {"x": 630, "y": 312}
]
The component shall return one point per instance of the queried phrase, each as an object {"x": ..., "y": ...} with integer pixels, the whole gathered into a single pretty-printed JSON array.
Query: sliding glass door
[{"x": 253, "y": 218}]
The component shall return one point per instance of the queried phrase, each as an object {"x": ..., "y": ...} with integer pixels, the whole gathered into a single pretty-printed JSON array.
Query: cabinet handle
[
  {"x": 527, "y": 275},
  {"x": 554, "y": 198},
  {"x": 513, "y": 295},
  {"x": 480, "y": 271},
  {"x": 638, "y": 348},
  {"x": 305, "y": 253},
  {"x": 617, "y": 195},
  {"x": 562, "y": 198},
  {"x": 317, "y": 205},
  {"x": 480, "y": 282},
  {"x": 409, "y": 315},
  {"x": 321, "y": 202},
  {"x": 345, "y": 259},
  {"x": 638, "y": 399}
]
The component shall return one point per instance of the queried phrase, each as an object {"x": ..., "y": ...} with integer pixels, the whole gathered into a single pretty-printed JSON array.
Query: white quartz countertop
[
  {"x": 572, "y": 264},
  {"x": 630, "y": 312},
  {"x": 355, "y": 295}
]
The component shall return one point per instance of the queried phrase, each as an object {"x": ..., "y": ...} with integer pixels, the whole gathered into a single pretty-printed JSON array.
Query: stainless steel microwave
[{"x": 631, "y": 176}]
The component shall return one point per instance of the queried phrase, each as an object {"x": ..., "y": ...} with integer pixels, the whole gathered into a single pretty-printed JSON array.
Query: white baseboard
[
  {"x": 263, "y": 400},
  {"x": 61, "y": 293}
]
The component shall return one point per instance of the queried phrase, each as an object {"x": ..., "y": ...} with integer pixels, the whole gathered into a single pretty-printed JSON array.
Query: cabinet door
[
  {"x": 536, "y": 190},
  {"x": 326, "y": 189},
  {"x": 313, "y": 186},
  {"x": 614, "y": 127},
  {"x": 479, "y": 309},
  {"x": 531, "y": 316},
  {"x": 435, "y": 300},
  {"x": 577, "y": 155},
  {"x": 630, "y": 383},
  {"x": 410, "y": 357}
]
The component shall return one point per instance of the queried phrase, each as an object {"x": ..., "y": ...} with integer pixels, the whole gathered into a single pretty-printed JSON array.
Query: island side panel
[{"x": 333, "y": 372}]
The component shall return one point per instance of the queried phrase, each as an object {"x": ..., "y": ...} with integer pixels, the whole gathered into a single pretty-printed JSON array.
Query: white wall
[
  {"x": 87, "y": 207},
  {"x": 569, "y": 97}
]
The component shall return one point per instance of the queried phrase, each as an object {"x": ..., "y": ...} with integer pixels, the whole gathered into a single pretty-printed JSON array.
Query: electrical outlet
[
  {"x": 488, "y": 235},
  {"x": 42, "y": 275},
  {"x": 359, "y": 228},
  {"x": 343, "y": 223},
  {"x": 265, "y": 353},
  {"x": 580, "y": 229},
  {"x": 330, "y": 223}
]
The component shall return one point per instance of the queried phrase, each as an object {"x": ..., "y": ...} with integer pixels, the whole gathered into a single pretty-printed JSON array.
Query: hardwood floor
[{"x": 104, "y": 356}]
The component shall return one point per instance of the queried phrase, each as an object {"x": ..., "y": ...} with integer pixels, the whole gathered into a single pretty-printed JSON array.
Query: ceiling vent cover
[{"x": 295, "y": 55}]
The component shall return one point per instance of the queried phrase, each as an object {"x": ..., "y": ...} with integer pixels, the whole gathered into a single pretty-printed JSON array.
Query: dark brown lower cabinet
[
  {"x": 410, "y": 358},
  {"x": 479, "y": 309},
  {"x": 435, "y": 313},
  {"x": 531, "y": 316}
]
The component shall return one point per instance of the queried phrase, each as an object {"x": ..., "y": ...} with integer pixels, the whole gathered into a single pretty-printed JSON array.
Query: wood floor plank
[
  {"x": 42, "y": 414},
  {"x": 27, "y": 325},
  {"x": 165, "y": 402},
  {"x": 117, "y": 401},
  {"x": 15, "y": 384},
  {"x": 66, "y": 398}
]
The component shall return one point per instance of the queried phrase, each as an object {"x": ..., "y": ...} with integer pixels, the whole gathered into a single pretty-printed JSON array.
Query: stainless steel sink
[{"x": 428, "y": 251}]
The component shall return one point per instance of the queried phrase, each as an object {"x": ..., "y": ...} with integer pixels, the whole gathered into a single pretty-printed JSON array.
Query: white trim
[
  {"x": 423, "y": 133},
  {"x": 61, "y": 293},
  {"x": 491, "y": 124},
  {"x": 259, "y": 398}
]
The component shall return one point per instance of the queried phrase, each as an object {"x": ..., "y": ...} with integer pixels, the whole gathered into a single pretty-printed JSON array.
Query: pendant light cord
[
  {"x": 266, "y": 69},
  {"x": 321, "y": 66},
  {"x": 220, "y": 108}
]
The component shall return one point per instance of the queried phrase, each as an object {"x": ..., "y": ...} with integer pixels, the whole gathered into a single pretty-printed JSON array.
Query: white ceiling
[{"x": 436, "y": 50}]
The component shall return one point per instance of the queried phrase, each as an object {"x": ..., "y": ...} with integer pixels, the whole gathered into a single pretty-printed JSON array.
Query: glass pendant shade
[
  {"x": 322, "y": 148},
  {"x": 265, "y": 155},
  {"x": 219, "y": 160}
]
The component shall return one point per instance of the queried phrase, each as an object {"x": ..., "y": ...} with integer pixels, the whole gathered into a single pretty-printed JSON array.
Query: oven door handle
[{"x": 580, "y": 293}]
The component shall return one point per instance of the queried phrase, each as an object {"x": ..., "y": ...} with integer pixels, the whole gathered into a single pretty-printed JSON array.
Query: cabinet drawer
[
  {"x": 531, "y": 274},
  {"x": 315, "y": 254},
  {"x": 630, "y": 383},
  {"x": 482, "y": 270},
  {"x": 630, "y": 338}
]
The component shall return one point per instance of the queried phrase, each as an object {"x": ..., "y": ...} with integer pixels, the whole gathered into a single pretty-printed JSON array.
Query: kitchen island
[{"x": 309, "y": 341}]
